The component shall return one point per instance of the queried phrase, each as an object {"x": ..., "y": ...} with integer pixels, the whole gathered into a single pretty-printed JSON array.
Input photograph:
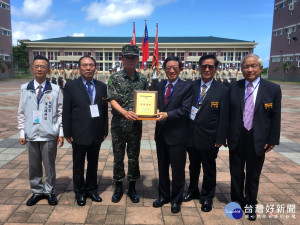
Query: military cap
[{"x": 130, "y": 50}]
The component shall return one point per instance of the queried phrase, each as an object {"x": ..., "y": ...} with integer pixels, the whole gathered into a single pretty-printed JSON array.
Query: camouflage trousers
[{"x": 126, "y": 135}]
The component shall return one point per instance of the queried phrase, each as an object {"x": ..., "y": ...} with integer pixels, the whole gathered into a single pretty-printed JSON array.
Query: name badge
[
  {"x": 37, "y": 115},
  {"x": 94, "y": 111},
  {"x": 194, "y": 111}
]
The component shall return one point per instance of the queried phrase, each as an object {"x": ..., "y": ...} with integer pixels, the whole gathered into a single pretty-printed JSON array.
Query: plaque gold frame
[{"x": 145, "y": 104}]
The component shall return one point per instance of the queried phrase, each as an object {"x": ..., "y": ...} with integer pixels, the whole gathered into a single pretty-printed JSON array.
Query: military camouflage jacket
[{"x": 121, "y": 88}]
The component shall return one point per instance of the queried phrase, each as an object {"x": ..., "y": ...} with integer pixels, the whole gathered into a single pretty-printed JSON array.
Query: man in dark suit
[
  {"x": 171, "y": 133},
  {"x": 85, "y": 124},
  {"x": 254, "y": 129},
  {"x": 207, "y": 131}
]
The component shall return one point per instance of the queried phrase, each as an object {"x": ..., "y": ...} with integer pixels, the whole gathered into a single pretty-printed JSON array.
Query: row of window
[
  {"x": 287, "y": 30},
  {"x": 5, "y": 32},
  {"x": 283, "y": 4},
  {"x": 285, "y": 58},
  {"x": 4, "y": 5},
  {"x": 117, "y": 56}
]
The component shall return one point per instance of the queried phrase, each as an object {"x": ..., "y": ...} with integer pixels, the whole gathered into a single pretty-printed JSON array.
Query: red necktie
[{"x": 170, "y": 86}]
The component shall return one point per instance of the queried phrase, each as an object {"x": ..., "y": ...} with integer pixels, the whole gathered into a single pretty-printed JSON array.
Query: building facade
[
  {"x": 285, "y": 46},
  {"x": 5, "y": 39},
  {"x": 107, "y": 50}
]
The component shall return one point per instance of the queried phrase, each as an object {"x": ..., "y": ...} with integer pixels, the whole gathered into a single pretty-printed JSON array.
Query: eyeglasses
[
  {"x": 84, "y": 65},
  {"x": 210, "y": 67},
  {"x": 39, "y": 66},
  {"x": 175, "y": 68},
  {"x": 246, "y": 67}
]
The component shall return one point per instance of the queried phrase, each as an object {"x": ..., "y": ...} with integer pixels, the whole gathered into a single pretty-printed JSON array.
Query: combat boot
[
  {"x": 134, "y": 197},
  {"x": 118, "y": 192}
]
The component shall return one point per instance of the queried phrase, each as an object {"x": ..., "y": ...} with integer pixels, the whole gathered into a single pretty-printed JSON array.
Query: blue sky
[{"x": 238, "y": 19}]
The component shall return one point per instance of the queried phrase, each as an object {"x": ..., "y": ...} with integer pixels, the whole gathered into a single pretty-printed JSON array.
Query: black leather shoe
[
  {"x": 95, "y": 197},
  {"x": 160, "y": 202},
  {"x": 81, "y": 200},
  {"x": 250, "y": 212},
  {"x": 252, "y": 216},
  {"x": 52, "y": 200},
  {"x": 190, "y": 196},
  {"x": 206, "y": 206},
  {"x": 118, "y": 192},
  {"x": 34, "y": 199},
  {"x": 175, "y": 208}
]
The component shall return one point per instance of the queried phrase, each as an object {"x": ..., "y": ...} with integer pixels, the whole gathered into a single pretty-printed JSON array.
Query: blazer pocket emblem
[
  {"x": 214, "y": 105},
  {"x": 268, "y": 106},
  {"x": 104, "y": 99}
]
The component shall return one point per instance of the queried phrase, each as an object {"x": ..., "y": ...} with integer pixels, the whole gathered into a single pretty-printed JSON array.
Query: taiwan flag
[{"x": 145, "y": 46}]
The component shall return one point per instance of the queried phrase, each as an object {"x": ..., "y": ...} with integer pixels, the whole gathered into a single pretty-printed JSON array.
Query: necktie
[
  {"x": 202, "y": 95},
  {"x": 170, "y": 86},
  {"x": 249, "y": 107},
  {"x": 89, "y": 84},
  {"x": 40, "y": 87}
]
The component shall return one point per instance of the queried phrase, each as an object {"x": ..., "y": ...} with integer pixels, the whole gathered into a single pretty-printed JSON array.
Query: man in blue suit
[
  {"x": 254, "y": 129},
  {"x": 171, "y": 133}
]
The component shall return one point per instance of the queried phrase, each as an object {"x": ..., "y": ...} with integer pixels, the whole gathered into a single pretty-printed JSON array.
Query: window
[
  {"x": 86, "y": 53},
  {"x": 278, "y": 32},
  {"x": 275, "y": 59},
  {"x": 297, "y": 58},
  {"x": 240, "y": 55},
  {"x": 170, "y": 54},
  {"x": 108, "y": 57},
  {"x": 180, "y": 55},
  {"x": 4, "y": 5},
  {"x": 99, "y": 56},
  {"x": 227, "y": 56},
  {"x": 5, "y": 32},
  {"x": 99, "y": 66},
  {"x": 280, "y": 5},
  {"x": 5, "y": 57},
  {"x": 118, "y": 56},
  {"x": 35, "y": 53},
  {"x": 287, "y": 59},
  {"x": 108, "y": 66},
  {"x": 53, "y": 55},
  {"x": 291, "y": 29},
  {"x": 162, "y": 56}
]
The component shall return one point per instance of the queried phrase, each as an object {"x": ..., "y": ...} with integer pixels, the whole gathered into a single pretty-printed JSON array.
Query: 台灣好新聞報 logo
[{"x": 233, "y": 211}]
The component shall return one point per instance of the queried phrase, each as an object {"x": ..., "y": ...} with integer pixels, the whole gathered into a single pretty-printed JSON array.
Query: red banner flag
[
  {"x": 145, "y": 46},
  {"x": 155, "y": 58},
  {"x": 133, "y": 38}
]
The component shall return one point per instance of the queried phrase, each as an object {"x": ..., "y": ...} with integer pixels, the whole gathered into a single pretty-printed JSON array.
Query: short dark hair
[
  {"x": 41, "y": 57},
  {"x": 202, "y": 58},
  {"x": 172, "y": 58},
  {"x": 86, "y": 56}
]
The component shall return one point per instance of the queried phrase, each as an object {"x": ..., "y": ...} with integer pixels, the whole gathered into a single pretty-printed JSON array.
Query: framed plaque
[{"x": 145, "y": 104}]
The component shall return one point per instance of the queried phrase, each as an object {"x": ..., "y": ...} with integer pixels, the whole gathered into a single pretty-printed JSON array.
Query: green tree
[
  {"x": 285, "y": 68},
  {"x": 20, "y": 54}
]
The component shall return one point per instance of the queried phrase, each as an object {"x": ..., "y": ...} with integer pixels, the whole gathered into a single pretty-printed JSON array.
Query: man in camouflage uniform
[{"x": 125, "y": 128}]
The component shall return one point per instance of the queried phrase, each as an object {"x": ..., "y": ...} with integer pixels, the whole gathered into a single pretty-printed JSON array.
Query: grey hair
[{"x": 260, "y": 60}]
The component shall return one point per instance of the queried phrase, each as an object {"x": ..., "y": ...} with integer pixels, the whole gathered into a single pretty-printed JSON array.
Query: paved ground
[{"x": 279, "y": 185}]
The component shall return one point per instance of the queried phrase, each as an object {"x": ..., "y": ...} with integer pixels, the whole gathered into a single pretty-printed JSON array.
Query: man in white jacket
[{"x": 40, "y": 125}]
